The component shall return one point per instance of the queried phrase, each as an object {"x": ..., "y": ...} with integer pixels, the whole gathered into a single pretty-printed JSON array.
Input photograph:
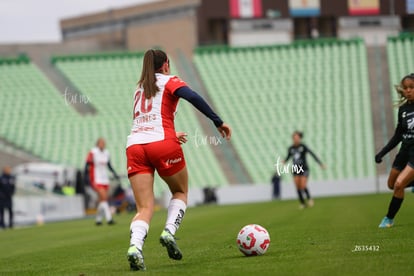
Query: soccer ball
[{"x": 253, "y": 240}]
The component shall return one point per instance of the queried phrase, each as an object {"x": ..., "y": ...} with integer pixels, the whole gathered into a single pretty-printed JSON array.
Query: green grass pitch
[{"x": 317, "y": 241}]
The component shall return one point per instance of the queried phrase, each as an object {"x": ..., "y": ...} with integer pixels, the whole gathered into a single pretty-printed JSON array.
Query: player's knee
[{"x": 398, "y": 186}]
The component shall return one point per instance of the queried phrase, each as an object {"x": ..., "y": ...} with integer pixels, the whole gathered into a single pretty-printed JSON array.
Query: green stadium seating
[
  {"x": 264, "y": 93},
  {"x": 400, "y": 51},
  {"x": 321, "y": 88},
  {"x": 41, "y": 120}
]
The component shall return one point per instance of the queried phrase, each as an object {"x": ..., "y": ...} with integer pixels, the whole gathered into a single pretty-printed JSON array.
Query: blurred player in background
[
  {"x": 154, "y": 145},
  {"x": 96, "y": 174},
  {"x": 402, "y": 172},
  {"x": 7, "y": 188},
  {"x": 300, "y": 169}
]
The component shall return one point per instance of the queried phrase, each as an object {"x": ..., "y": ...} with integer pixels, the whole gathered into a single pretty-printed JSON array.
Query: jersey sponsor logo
[
  {"x": 410, "y": 123},
  {"x": 145, "y": 118},
  {"x": 405, "y": 114},
  {"x": 141, "y": 129}
]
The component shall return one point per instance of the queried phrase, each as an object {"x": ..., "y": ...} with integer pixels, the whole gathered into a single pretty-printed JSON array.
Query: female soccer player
[
  {"x": 402, "y": 172},
  {"x": 154, "y": 145},
  {"x": 96, "y": 174},
  {"x": 300, "y": 169}
]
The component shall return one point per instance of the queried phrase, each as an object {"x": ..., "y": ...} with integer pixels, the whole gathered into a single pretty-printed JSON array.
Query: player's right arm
[{"x": 394, "y": 141}]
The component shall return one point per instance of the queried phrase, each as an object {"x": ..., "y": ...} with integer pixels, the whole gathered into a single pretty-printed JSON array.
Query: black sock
[
  {"x": 395, "y": 205},
  {"x": 302, "y": 201},
  {"x": 307, "y": 193}
]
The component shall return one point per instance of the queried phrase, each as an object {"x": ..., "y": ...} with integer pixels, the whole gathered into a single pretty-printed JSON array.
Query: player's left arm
[
  {"x": 315, "y": 157},
  {"x": 198, "y": 102},
  {"x": 116, "y": 176}
]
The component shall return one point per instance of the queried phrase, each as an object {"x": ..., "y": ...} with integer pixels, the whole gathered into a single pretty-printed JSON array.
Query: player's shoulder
[
  {"x": 406, "y": 105},
  {"x": 173, "y": 83},
  {"x": 403, "y": 109},
  {"x": 175, "y": 80},
  {"x": 163, "y": 77}
]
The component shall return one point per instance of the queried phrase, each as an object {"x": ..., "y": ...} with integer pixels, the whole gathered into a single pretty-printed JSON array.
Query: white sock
[
  {"x": 99, "y": 212},
  {"x": 139, "y": 230},
  {"x": 107, "y": 211},
  {"x": 176, "y": 211}
]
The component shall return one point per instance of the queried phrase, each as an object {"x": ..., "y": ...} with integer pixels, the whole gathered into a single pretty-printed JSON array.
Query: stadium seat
[
  {"x": 110, "y": 88},
  {"x": 41, "y": 121},
  {"x": 266, "y": 93},
  {"x": 400, "y": 59}
]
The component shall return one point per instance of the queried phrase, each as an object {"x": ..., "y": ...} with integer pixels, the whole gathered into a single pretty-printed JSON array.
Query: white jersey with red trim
[
  {"x": 98, "y": 170},
  {"x": 154, "y": 118}
]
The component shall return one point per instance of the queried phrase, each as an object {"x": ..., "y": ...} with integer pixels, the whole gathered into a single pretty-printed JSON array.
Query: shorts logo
[
  {"x": 129, "y": 168},
  {"x": 170, "y": 162}
]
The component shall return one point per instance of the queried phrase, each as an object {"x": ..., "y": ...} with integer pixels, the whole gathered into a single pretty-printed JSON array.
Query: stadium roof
[{"x": 125, "y": 13}]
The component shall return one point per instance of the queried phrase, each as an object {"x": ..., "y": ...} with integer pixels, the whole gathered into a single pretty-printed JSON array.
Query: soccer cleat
[
  {"x": 302, "y": 206},
  {"x": 310, "y": 203},
  {"x": 111, "y": 222},
  {"x": 135, "y": 258},
  {"x": 98, "y": 223},
  {"x": 167, "y": 240},
  {"x": 386, "y": 223}
]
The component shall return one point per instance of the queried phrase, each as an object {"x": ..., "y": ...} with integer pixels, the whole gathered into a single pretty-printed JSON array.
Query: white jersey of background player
[{"x": 96, "y": 172}]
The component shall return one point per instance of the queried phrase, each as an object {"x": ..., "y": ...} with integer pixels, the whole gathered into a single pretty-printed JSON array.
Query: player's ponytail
[
  {"x": 152, "y": 63},
  {"x": 398, "y": 88}
]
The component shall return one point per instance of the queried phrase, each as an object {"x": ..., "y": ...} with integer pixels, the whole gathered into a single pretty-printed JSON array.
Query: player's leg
[
  {"x": 178, "y": 184},
  {"x": 298, "y": 184},
  {"x": 100, "y": 212},
  {"x": 2, "y": 215},
  {"x": 304, "y": 184},
  {"x": 403, "y": 179},
  {"x": 104, "y": 192},
  {"x": 392, "y": 177},
  {"x": 142, "y": 186},
  {"x": 10, "y": 208}
]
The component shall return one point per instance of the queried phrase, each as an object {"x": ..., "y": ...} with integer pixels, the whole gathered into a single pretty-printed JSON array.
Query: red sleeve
[
  {"x": 173, "y": 84},
  {"x": 89, "y": 158}
]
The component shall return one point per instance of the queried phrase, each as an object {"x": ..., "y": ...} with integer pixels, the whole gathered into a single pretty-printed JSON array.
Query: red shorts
[
  {"x": 97, "y": 186},
  {"x": 165, "y": 156}
]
